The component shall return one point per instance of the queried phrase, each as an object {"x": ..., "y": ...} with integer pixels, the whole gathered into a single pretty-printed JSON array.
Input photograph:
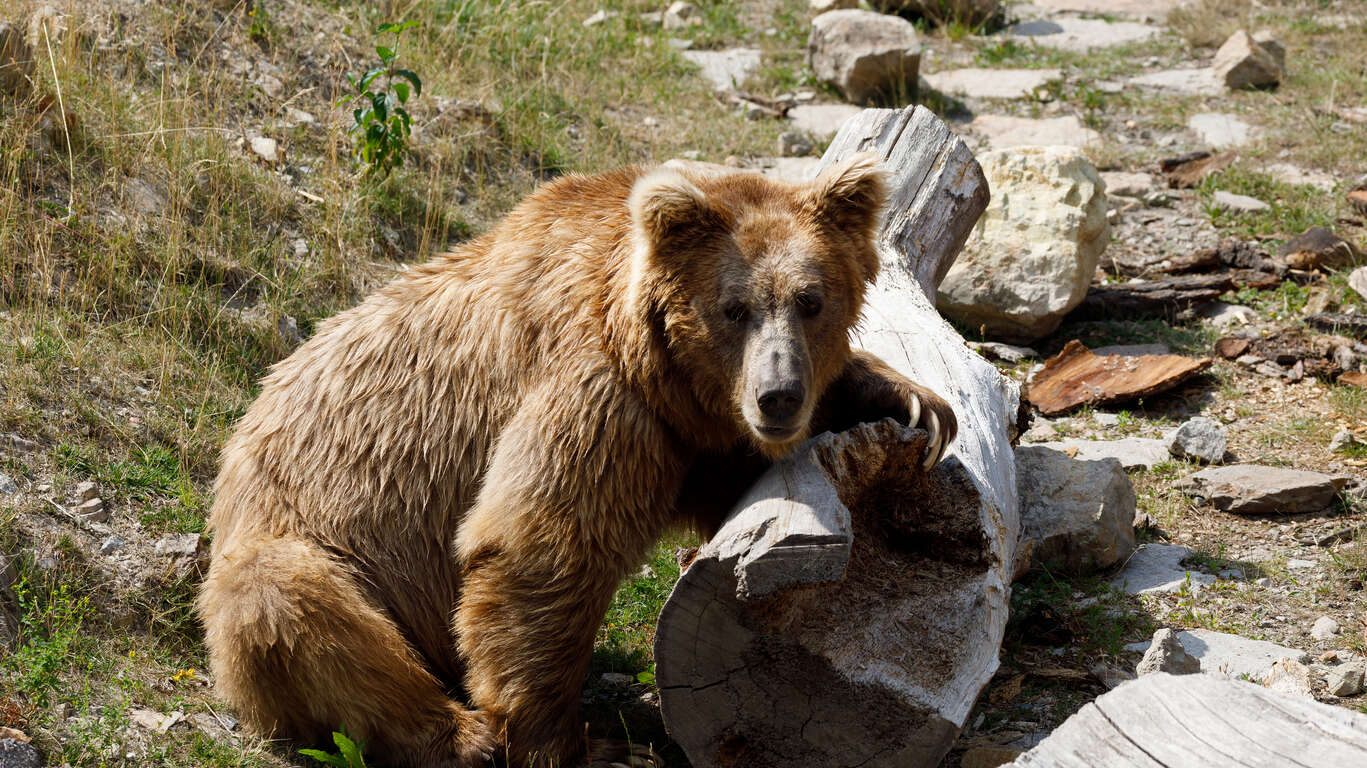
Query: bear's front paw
[
  {"x": 470, "y": 740},
  {"x": 932, "y": 413},
  {"x": 612, "y": 753}
]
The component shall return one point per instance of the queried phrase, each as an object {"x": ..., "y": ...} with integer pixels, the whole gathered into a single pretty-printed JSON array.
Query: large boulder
[
  {"x": 1034, "y": 251},
  {"x": 868, "y": 56},
  {"x": 1077, "y": 515}
]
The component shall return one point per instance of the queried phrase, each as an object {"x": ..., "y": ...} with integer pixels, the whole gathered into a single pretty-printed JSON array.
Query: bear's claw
[{"x": 640, "y": 756}]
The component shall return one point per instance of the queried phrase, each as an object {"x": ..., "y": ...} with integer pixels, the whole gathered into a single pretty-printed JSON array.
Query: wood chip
[
  {"x": 1076, "y": 377},
  {"x": 1186, "y": 172}
]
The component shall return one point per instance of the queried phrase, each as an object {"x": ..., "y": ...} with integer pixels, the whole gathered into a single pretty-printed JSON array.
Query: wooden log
[
  {"x": 850, "y": 610},
  {"x": 1202, "y": 720},
  {"x": 1164, "y": 298}
]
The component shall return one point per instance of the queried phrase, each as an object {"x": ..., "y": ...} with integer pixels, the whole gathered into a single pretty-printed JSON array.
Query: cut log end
[{"x": 823, "y": 671}]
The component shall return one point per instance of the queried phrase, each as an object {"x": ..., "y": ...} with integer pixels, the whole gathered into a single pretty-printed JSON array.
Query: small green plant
[
  {"x": 382, "y": 125},
  {"x": 348, "y": 753}
]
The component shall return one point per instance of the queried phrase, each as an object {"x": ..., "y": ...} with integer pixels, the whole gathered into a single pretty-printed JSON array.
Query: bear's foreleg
[
  {"x": 577, "y": 490},
  {"x": 868, "y": 390}
]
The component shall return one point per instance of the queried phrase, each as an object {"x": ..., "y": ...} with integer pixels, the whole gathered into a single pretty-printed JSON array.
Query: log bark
[
  {"x": 850, "y": 610},
  {"x": 1163, "y": 720}
]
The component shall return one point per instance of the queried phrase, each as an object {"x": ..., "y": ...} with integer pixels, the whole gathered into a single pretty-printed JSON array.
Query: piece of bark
[
  {"x": 851, "y": 609},
  {"x": 1202, "y": 720},
  {"x": 1318, "y": 248},
  {"x": 1076, "y": 377},
  {"x": 1358, "y": 199},
  {"x": 1188, "y": 171},
  {"x": 1353, "y": 378},
  {"x": 1340, "y": 323},
  {"x": 1165, "y": 298}
]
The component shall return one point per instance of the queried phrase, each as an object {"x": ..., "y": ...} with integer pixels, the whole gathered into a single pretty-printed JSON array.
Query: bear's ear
[
  {"x": 664, "y": 203},
  {"x": 849, "y": 196}
]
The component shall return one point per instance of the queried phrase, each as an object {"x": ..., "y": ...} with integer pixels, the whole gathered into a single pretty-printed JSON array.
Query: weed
[
  {"x": 348, "y": 753},
  {"x": 382, "y": 125},
  {"x": 50, "y": 639}
]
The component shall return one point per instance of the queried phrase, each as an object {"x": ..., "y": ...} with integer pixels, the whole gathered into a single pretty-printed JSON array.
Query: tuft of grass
[
  {"x": 1293, "y": 208},
  {"x": 1208, "y": 23}
]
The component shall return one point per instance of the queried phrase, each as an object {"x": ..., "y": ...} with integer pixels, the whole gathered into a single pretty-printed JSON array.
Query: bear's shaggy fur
[{"x": 434, "y": 498}]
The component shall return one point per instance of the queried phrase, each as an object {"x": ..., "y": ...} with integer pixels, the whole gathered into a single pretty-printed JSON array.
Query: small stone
[
  {"x": 1290, "y": 677},
  {"x": 726, "y": 70},
  {"x": 1345, "y": 679},
  {"x": 1155, "y": 568},
  {"x": 1219, "y": 130},
  {"x": 599, "y": 17},
  {"x": 7, "y": 485},
  {"x": 112, "y": 544},
  {"x": 1318, "y": 248},
  {"x": 301, "y": 248},
  {"x": 1128, "y": 184},
  {"x": 1007, "y": 353},
  {"x": 1222, "y": 315},
  {"x": 681, "y": 15},
  {"x": 794, "y": 144},
  {"x": 821, "y": 120},
  {"x": 266, "y": 148},
  {"x": 1200, "y": 438},
  {"x": 19, "y": 754},
  {"x": 87, "y": 490},
  {"x": 1242, "y": 63},
  {"x": 1324, "y": 629},
  {"x": 819, "y": 7},
  {"x": 1263, "y": 581},
  {"x": 296, "y": 116},
  {"x": 1039, "y": 432},
  {"x": 865, "y": 55},
  {"x": 1297, "y": 564},
  {"x": 617, "y": 678},
  {"x": 1342, "y": 439},
  {"x": 92, "y": 511},
  {"x": 1232, "y": 203},
  {"x": 1166, "y": 654},
  {"x": 179, "y": 545}
]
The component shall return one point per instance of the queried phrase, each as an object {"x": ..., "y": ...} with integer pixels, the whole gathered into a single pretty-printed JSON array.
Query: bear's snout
[{"x": 779, "y": 401}]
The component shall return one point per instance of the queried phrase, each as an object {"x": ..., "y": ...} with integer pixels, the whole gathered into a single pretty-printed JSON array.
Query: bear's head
[{"x": 754, "y": 286}]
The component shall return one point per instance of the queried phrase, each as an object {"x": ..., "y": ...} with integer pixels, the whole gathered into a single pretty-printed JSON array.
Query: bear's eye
[
  {"x": 737, "y": 312},
  {"x": 809, "y": 304}
]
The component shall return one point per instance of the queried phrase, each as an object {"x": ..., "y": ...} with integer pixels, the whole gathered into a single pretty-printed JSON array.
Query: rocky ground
[{"x": 180, "y": 207}]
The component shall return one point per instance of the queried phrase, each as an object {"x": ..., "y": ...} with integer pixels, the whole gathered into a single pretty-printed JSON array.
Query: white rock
[
  {"x": 794, "y": 144},
  {"x": 821, "y": 121},
  {"x": 1297, "y": 564},
  {"x": 617, "y": 678},
  {"x": 1232, "y": 203},
  {"x": 266, "y": 148},
  {"x": 992, "y": 83},
  {"x": 1006, "y": 132},
  {"x": 1079, "y": 514},
  {"x": 1296, "y": 176},
  {"x": 1200, "y": 438},
  {"x": 1158, "y": 568},
  {"x": 681, "y": 15},
  {"x": 1222, "y": 315},
  {"x": 726, "y": 70},
  {"x": 1357, "y": 280},
  {"x": 1242, "y": 63},
  {"x": 112, "y": 544},
  {"x": 1221, "y": 653},
  {"x": 1133, "y": 453},
  {"x": 821, "y": 6},
  {"x": 865, "y": 55},
  {"x": 1345, "y": 679},
  {"x": 1140, "y": 9},
  {"x": 1341, "y": 439},
  {"x": 1032, "y": 255},
  {"x": 1289, "y": 677},
  {"x": 7, "y": 485},
  {"x": 1007, "y": 353},
  {"x": 1220, "y": 130},
  {"x": 86, "y": 490},
  {"x": 1074, "y": 34},
  {"x": 1192, "y": 82},
  {"x": 1324, "y": 628},
  {"x": 599, "y": 17},
  {"x": 794, "y": 170},
  {"x": 1165, "y": 654},
  {"x": 179, "y": 545},
  {"x": 1127, "y": 184}
]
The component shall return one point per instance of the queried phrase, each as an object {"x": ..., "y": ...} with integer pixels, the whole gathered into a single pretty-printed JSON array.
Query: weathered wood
[
  {"x": 851, "y": 608},
  {"x": 1164, "y": 298},
  {"x": 1163, "y": 721}
]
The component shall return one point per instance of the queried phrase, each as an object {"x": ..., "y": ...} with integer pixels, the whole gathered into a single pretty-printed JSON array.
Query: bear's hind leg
[{"x": 297, "y": 646}]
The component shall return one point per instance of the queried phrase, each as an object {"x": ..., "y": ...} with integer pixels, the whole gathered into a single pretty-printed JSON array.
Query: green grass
[{"x": 1293, "y": 208}]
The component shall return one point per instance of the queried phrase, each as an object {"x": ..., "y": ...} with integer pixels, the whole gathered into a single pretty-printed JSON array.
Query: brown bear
[{"x": 420, "y": 522}]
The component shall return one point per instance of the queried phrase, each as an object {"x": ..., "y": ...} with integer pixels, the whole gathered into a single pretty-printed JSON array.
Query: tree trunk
[{"x": 850, "y": 610}]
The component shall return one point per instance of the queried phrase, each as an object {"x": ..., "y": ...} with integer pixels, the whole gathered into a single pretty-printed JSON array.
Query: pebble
[
  {"x": 266, "y": 148},
  {"x": 86, "y": 491},
  {"x": 1200, "y": 438},
  {"x": 1232, "y": 203},
  {"x": 112, "y": 544},
  {"x": 1166, "y": 654},
  {"x": 1342, "y": 439},
  {"x": 7, "y": 485},
  {"x": 92, "y": 511},
  {"x": 617, "y": 678},
  {"x": 1324, "y": 628}
]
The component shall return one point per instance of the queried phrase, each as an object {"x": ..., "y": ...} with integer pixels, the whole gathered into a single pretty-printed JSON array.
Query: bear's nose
[{"x": 780, "y": 403}]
